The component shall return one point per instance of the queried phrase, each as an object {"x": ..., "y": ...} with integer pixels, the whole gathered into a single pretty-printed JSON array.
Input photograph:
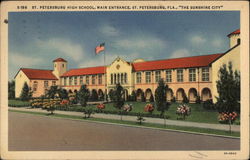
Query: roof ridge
[
  {"x": 37, "y": 69},
  {"x": 87, "y": 67},
  {"x": 178, "y": 58}
]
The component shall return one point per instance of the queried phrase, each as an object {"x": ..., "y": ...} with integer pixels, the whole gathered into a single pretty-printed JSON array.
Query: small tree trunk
[
  {"x": 164, "y": 120},
  {"x": 230, "y": 125}
]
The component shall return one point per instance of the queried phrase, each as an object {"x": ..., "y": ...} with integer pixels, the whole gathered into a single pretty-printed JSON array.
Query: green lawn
[
  {"x": 18, "y": 103},
  {"x": 198, "y": 113},
  {"x": 144, "y": 124}
]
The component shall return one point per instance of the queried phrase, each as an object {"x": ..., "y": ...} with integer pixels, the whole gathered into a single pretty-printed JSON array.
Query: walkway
[{"x": 235, "y": 128}]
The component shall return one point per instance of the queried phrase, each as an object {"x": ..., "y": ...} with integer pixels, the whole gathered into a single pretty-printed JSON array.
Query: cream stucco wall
[
  {"x": 233, "y": 40},
  {"x": 20, "y": 79},
  {"x": 234, "y": 56},
  {"x": 120, "y": 66}
]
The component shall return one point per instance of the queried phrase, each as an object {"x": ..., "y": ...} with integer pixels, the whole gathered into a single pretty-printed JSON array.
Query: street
[{"x": 29, "y": 132}]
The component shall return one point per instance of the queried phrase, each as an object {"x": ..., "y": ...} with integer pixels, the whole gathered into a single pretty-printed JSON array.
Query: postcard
[{"x": 124, "y": 80}]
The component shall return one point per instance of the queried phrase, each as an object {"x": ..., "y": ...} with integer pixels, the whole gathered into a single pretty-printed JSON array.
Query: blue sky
[{"x": 37, "y": 38}]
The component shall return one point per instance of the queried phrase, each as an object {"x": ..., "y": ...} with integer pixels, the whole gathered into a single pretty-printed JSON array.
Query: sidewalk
[{"x": 235, "y": 128}]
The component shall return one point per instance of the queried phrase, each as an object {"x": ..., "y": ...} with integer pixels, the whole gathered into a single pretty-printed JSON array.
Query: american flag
[{"x": 100, "y": 48}]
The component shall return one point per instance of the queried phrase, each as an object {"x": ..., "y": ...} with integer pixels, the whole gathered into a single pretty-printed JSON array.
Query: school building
[{"x": 190, "y": 76}]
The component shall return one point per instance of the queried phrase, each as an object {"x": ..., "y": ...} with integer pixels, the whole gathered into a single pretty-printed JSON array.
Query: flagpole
[{"x": 105, "y": 75}]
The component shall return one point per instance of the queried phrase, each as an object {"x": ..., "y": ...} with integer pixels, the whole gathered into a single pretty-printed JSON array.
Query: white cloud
[
  {"x": 197, "y": 40},
  {"x": 180, "y": 53},
  {"x": 18, "y": 60},
  {"x": 216, "y": 42},
  {"x": 64, "y": 46},
  {"x": 144, "y": 42},
  {"x": 109, "y": 30}
]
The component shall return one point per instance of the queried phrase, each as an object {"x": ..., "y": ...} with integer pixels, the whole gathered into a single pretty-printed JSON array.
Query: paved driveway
[{"x": 32, "y": 133}]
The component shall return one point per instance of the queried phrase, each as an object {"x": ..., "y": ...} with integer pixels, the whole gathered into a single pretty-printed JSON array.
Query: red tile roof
[
  {"x": 234, "y": 32},
  {"x": 185, "y": 62},
  {"x": 59, "y": 60},
  {"x": 85, "y": 71},
  {"x": 39, "y": 74}
]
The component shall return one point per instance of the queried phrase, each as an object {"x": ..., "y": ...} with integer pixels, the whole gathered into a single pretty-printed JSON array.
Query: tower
[
  {"x": 60, "y": 67},
  {"x": 234, "y": 38}
]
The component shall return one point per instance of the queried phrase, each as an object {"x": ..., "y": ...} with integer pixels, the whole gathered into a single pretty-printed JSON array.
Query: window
[
  {"x": 118, "y": 78},
  {"x": 53, "y": 83},
  {"x": 192, "y": 75},
  {"x": 55, "y": 65},
  {"x": 238, "y": 41},
  {"x": 81, "y": 80},
  {"x": 87, "y": 80},
  {"x": 180, "y": 75},
  {"x": 125, "y": 78},
  {"x": 112, "y": 79},
  {"x": 148, "y": 77},
  {"x": 65, "y": 81},
  {"x": 35, "y": 85},
  {"x": 93, "y": 79},
  {"x": 205, "y": 74},
  {"x": 122, "y": 78},
  {"x": 168, "y": 76},
  {"x": 99, "y": 79},
  {"x": 70, "y": 81},
  {"x": 62, "y": 65},
  {"x": 75, "y": 80},
  {"x": 157, "y": 76},
  {"x": 46, "y": 84},
  {"x": 138, "y": 77}
]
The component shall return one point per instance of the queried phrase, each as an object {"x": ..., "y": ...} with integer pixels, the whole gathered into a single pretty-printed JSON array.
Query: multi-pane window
[
  {"x": 75, "y": 80},
  {"x": 87, "y": 80},
  {"x": 53, "y": 83},
  {"x": 192, "y": 75},
  {"x": 138, "y": 77},
  {"x": 205, "y": 74},
  {"x": 122, "y": 78},
  {"x": 81, "y": 80},
  {"x": 46, "y": 84},
  {"x": 35, "y": 85},
  {"x": 99, "y": 79},
  {"x": 180, "y": 75},
  {"x": 93, "y": 79},
  {"x": 157, "y": 76},
  {"x": 148, "y": 77},
  {"x": 65, "y": 82},
  {"x": 70, "y": 81},
  {"x": 112, "y": 79},
  {"x": 125, "y": 78},
  {"x": 168, "y": 76}
]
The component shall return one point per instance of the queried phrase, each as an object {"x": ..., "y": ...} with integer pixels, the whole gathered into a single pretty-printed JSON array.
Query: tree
[
  {"x": 143, "y": 99},
  {"x": 111, "y": 95},
  {"x": 160, "y": 97},
  {"x": 26, "y": 93},
  {"x": 83, "y": 95},
  {"x": 228, "y": 87},
  {"x": 52, "y": 92},
  {"x": 11, "y": 89},
  {"x": 118, "y": 99},
  {"x": 133, "y": 96},
  {"x": 63, "y": 94},
  {"x": 151, "y": 99},
  {"x": 94, "y": 95}
]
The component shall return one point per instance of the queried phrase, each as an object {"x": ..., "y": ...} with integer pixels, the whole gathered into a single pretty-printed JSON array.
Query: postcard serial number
[{"x": 230, "y": 153}]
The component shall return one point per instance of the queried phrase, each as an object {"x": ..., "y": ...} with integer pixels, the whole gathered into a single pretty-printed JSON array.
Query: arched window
[
  {"x": 111, "y": 78},
  {"x": 238, "y": 41},
  {"x": 125, "y": 78},
  {"x": 118, "y": 78}
]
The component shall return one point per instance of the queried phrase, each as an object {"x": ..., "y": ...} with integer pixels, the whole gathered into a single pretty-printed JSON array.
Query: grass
[
  {"x": 198, "y": 113},
  {"x": 144, "y": 124},
  {"x": 18, "y": 103}
]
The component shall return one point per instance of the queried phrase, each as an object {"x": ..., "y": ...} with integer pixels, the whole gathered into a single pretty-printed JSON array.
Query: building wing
[
  {"x": 85, "y": 71},
  {"x": 185, "y": 62},
  {"x": 39, "y": 74}
]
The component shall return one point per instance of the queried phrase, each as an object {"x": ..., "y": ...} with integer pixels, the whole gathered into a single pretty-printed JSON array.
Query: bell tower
[
  {"x": 60, "y": 67},
  {"x": 234, "y": 38}
]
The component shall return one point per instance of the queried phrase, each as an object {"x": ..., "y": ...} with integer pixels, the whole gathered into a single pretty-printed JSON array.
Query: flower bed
[
  {"x": 183, "y": 111},
  {"x": 226, "y": 117}
]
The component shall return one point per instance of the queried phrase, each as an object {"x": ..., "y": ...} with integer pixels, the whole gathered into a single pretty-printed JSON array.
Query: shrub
[
  {"x": 127, "y": 107},
  {"x": 226, "y": 118},
  {"x": 183, "y": 111},
  {"x": 151, "y": 99},
  {"x": 208, "y": 105},
  {"x": 140, "y": 118},
  {"x": 198, "y": 100},
  {"x": 88, "y": 111},
  {"x": 173, "y": 99},
  {"x": 149, "y": 108}
]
